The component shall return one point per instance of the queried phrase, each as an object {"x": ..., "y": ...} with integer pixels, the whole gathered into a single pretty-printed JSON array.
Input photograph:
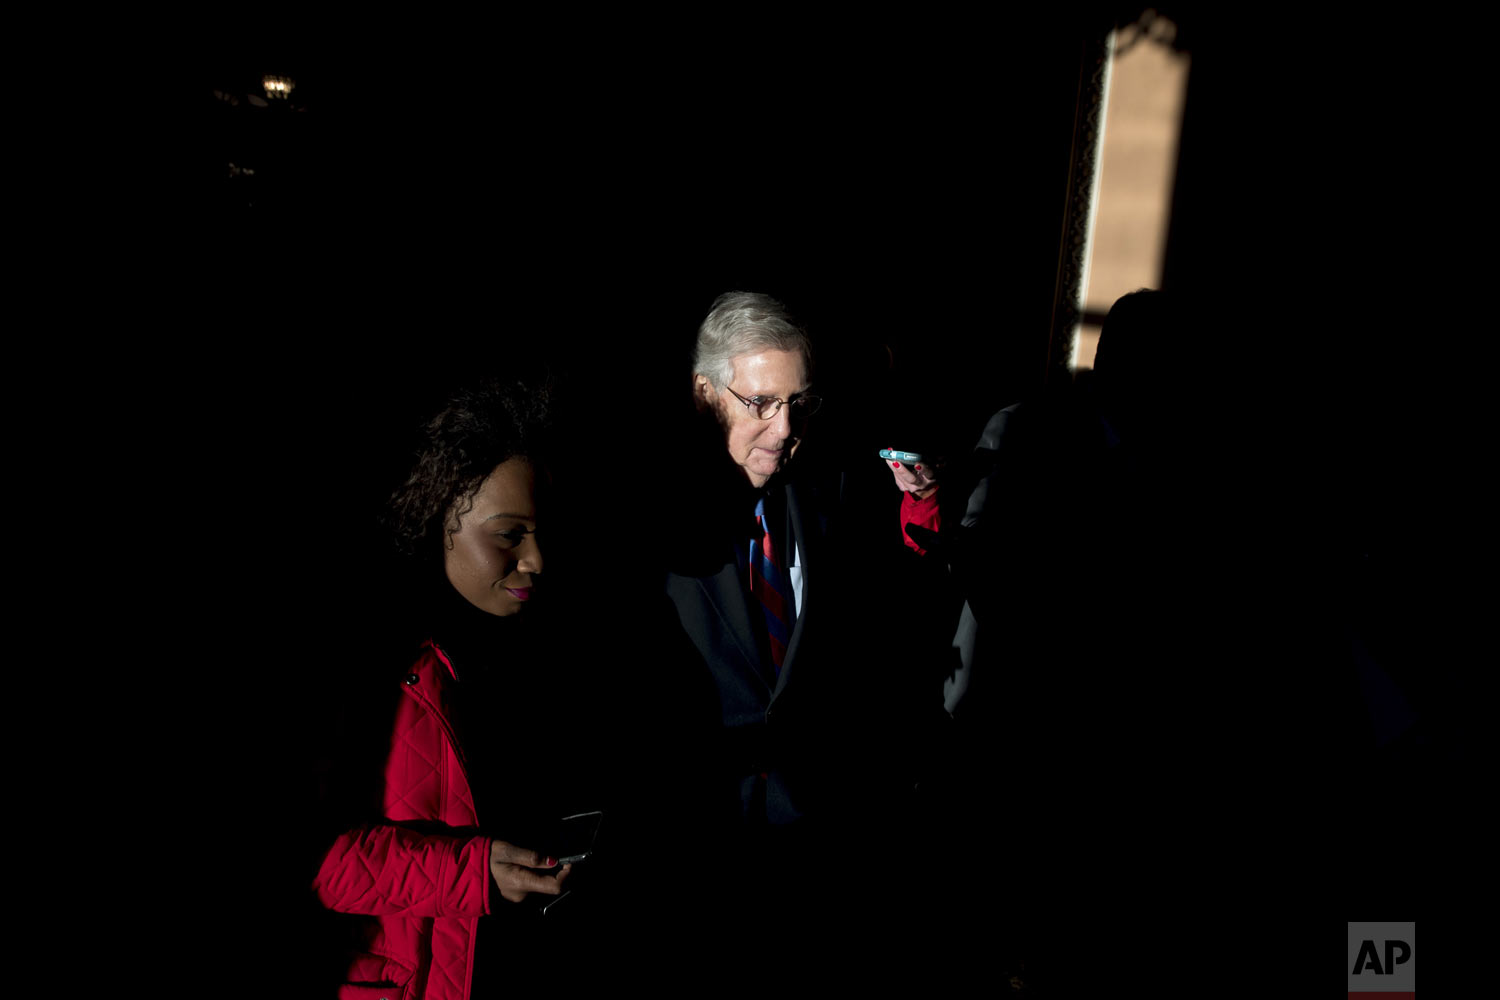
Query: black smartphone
[
  {"x": 572, "y": 839},
  {"x": 552, "y": 904}
]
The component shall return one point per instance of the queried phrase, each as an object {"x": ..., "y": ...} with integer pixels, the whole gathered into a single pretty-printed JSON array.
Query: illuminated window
[{"x": 1145, "y": 83}]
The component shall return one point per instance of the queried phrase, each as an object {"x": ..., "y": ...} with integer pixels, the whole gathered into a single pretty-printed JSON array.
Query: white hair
[{"x": 743, "y": 323}]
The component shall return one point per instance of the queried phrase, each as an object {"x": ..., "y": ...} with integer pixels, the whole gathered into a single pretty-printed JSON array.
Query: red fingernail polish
[
  {"x": 919, "y": 468},
  {"x": 895, "y": 465}
]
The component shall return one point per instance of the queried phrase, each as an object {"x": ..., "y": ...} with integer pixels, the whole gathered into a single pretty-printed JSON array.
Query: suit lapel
[{"x": 726, "y": 593}]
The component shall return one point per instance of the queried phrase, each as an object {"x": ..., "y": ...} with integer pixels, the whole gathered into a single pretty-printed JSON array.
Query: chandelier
[{"x": 278, "y": 87}]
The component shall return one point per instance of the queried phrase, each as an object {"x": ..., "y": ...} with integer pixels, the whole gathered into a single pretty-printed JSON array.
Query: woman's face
[{"x": 492, "y": 557}]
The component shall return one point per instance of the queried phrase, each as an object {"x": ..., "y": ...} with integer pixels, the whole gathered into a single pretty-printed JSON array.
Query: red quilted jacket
[{"x": 422, "y": 874}]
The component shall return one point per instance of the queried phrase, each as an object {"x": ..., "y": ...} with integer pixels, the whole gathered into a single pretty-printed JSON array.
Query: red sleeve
[
  {"x": 922, "y": 512},
  {"x": 389, "y": 870}
]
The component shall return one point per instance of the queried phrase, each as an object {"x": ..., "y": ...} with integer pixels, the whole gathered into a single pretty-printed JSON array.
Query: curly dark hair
[{"x": 481, "y": 427}]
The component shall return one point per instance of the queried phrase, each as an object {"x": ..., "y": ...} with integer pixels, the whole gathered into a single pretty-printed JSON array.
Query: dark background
[{"x": 464, "y": 198}]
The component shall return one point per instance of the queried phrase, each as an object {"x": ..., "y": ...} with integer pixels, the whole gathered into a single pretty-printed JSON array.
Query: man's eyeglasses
[{"x": 766, "y": 407}]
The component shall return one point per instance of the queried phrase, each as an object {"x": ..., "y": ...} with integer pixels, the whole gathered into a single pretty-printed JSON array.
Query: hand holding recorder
[{"x": 912, "y": 474}]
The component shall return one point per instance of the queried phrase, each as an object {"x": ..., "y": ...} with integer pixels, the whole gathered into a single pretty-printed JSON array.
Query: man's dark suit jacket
[{"x": 779, "y": 738}]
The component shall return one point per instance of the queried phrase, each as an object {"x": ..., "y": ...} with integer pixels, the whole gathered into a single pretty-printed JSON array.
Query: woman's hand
[
  {"x": 919, "y": 479},
  {"x": 514, "y": 871}
]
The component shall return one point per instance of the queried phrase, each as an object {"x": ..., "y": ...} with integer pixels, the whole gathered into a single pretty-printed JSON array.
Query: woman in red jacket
[{"x": 439, "y": 889}]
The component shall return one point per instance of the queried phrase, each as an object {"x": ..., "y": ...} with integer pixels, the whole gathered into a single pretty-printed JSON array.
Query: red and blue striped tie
[{"x": 769, "y": 583}]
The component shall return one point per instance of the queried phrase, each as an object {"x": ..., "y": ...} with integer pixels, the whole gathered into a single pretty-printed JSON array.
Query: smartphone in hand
[{"x": 572, "y": 839}]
